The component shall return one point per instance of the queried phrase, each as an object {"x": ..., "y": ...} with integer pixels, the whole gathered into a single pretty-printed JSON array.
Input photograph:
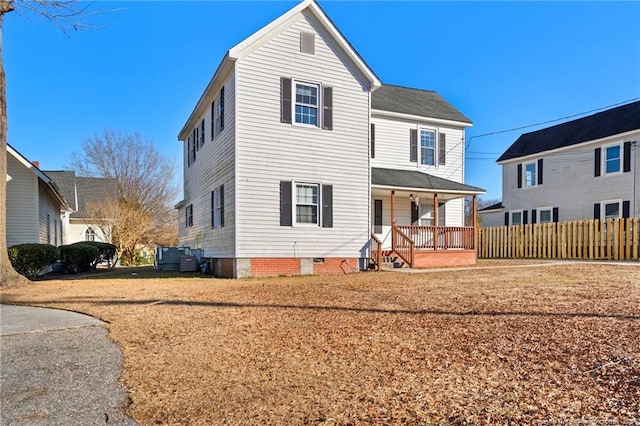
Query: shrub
[
  {"x": 29, "y": 259},
  {"x": 78, "y": 257},
  {"x": 106, "y": 252}
]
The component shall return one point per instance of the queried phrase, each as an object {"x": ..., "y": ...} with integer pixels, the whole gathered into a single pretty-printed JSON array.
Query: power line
[{"x": 548, "y": 121}]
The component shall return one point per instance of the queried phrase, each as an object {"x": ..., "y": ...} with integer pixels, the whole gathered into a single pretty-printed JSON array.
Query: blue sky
[{"x": 503, "y": 64}]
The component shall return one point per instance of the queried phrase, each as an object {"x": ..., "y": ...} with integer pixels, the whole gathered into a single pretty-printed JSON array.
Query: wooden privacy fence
[{"x": 613, "y": 239}]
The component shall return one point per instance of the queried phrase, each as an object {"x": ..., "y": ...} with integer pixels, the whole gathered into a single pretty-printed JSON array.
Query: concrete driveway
[{"x": 58, "y": 367}]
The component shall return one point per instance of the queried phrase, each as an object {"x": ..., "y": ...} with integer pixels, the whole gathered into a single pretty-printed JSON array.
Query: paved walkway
[{"x": 58, "y": 368}]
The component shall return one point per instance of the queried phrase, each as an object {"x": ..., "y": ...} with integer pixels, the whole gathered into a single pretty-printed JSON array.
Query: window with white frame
[
  {"x": 217, "y": 207},
  {"x": 612, "y": 159},
  {"x": 90, "y": 235},
  {"x": 218, "y": 109},
  {"x": 545, "y": 215},
  {"x": 530, "y": 174},
  {"x": 307, "y": 199},
  {"x": 189, "y": 216},
  {"x": 611, "y": 209},
  {"x": 427, "y": 147},
  {"x": 306, "y": 103},
  {"x": 427, "y": 215},
  {"x": 516, "y": 217}
]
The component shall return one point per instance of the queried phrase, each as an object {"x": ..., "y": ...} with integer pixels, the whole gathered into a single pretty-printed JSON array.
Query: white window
[
  {"x": 217, "y": 207},
  {"x": 612, "y": 159},
  {"x": 516, "y": 217},
  {"x": 530, "y": 174},
  {"x": 427, "y": 217},
  {"x": 307, "y": 203},
  {"x": 218, "y": 110},
  {"x": 306, "y": 104},
  {"x": 545, "y": 215},
  {"x": 427, "y": 147},
  {"x": 89, "y": 235},
  {"x": 611, "y": 209}
]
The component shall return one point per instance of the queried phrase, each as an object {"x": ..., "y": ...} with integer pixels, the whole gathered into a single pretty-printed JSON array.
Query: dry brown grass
[{"x": 507, "y": 346}]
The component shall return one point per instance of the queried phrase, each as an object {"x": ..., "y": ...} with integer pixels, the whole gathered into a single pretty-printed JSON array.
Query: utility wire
[{"x": 548, "y": 121}]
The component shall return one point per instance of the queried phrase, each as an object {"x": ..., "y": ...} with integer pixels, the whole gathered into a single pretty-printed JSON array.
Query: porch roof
[{"x": 418, "y": 181}]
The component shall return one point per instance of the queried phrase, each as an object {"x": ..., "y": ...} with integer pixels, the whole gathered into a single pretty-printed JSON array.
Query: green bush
[
  {"x": 29, "y": 259},
  {"x": 78, "y": 257},
  {"x": 106, "y": 252}
]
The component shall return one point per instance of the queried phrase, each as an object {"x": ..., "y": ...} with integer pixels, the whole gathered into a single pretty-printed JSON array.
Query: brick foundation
[
  {"x": 335, "y": 266},
  {"x": 273, "y": 266},
  {"x": 444, "y": 258}
]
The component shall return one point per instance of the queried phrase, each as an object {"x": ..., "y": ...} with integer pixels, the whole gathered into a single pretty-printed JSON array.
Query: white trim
[
  {"x": 412, "y": 117},
  {"x": 540, "y": 209},
  {"x": 535, "y": 174},
  {"x": 568, "y": 147},
  {"x": 319, "y": 104},
  {"x": 294, "y": 203},
  {"x": 436, "y": 146},
  {"x": 603, "y": 159},
  {"x": 605, "y": 202},
  {"x": 430, "y": 191},
  {"x": 511, "y": 212}
]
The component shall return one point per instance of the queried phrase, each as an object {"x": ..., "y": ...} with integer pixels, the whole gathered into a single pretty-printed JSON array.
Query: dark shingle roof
[
  {"x": 417, "y": 180},
  {"x": 86, "y": 189},
  {"x": 424, "y": 103},
  {"x": 495, "y": 206},
  {"x": 600, "y": 125}
]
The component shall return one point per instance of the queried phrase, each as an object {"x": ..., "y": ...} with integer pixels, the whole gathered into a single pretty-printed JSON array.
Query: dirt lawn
[{"x": 538, "y": 344}]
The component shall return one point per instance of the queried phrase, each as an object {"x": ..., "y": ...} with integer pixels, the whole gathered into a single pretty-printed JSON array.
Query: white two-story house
[
  {"x": 578, "y": 170},
  {"x": 298, "y": 160}
]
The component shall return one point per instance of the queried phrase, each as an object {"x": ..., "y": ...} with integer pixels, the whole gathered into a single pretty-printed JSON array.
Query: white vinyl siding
[
  {"x": 569, "y": 181},
  {"x": 49, "y": 208},
  {"x": 269, "y": 151},
  {"x": 22, "y": 204},
  {"x": 392, "y": 147},
  {"x": 214, "y": 167}
]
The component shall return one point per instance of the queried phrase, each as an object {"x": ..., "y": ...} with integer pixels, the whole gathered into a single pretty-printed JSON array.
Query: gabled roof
[
  {"x": 496, "y": 206},
  {"x": 622, "y": 119},
  {"x": 423, "y": 103},
  {"x": 247, "y": 45},
  {"x": 415, "y": 180},
  {"x": 55, "y": 189},
  {"x": 81, "y": 191}
]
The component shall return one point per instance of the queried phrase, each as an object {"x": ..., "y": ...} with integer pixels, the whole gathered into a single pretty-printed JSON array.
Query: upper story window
[
  {"x": 189, "y": 215},
  {"x": 530, "y": 174},
  {"x": 307, "y": 203},
  {"x": 612, "y": 159},
  {"x": 427, "y": 147},
  {"x": 217, "y": 207},
  {"x": 306, "y": 106},
  {"x": 89, "y": 235}
]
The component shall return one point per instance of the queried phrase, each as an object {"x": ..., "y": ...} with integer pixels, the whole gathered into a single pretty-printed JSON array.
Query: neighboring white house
[
  {"x": 296, "y": 153},
  {"x": 80, "y": 192},
  {"x": 582, "y": 169},
  {"x": 36, "y": 209}
]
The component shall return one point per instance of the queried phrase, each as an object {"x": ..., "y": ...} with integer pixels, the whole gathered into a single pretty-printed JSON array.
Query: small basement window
[{"x": 318, "y": 260}]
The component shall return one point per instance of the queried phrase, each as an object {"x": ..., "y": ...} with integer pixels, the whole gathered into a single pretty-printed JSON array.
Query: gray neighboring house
[
  {"x": 578, "y": 170},
  {"x": 81, "y": 192},
  {"x": 36, "y": 208}
]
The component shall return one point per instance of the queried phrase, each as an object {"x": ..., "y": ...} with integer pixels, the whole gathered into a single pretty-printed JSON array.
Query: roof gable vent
[{"x": 307, "y": 43}]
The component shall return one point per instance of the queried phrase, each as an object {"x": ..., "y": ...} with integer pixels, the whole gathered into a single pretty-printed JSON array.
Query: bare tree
[
  {"x": 143, "y": 213},
  {"x": 66, "y": 15},
  {"x": 481, "y": 203}
]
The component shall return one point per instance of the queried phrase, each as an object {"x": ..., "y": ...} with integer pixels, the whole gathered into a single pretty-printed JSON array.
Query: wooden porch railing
[
  {"x": 376, "y": 251},
  {"x": 402, "y": 245},
  {"x": 440, "y": 237}
]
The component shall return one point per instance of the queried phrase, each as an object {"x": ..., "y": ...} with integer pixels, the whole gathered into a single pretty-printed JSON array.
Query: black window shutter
[
  {"x": 222, "y": 109},
  {"x": 285, "y": 100},
  {"x": 285, "y": 203},
  {"x": 221, "y": 205},
  {"x": 377, "y": 217},
  {"x": 327, "y": 206},
  {"x": 519, "y": 175},
  {"x": 373, "y": 140},
  {"x": 213, "y": 208},
  {"x": 506, "y": 219},
  {"x": 596, "y": 211},
  {"x": 525, "y": 217},
  {"x": 413, "y": 145},
  {"x": 534, "y": 214},
  {"x": 414, "y": 213},
  {"x": 596, "y": 162},
  {"x": 442, "y": 149},
  {"x": 327, "y": 108},
  {"x": 202, "y": 132},
  {"x": 556, "y": 214},
  {"x": 625, "y": 208},
  {"x": 213, "y": 119},
  {"x": 188, "y": 144},
  {"x": 540, "y": 171},
  {"x": 626, "y": 159},
  {"x": 196, "y": 138}
]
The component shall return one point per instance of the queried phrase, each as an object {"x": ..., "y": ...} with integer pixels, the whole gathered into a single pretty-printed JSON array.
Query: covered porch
[{"x": 420, "y": 219}]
